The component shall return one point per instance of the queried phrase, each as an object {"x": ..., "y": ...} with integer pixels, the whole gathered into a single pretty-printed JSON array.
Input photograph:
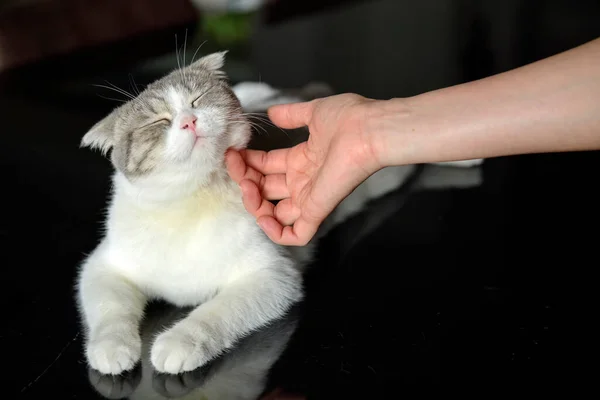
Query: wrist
[
  {"x": 386, "y": 121},
  {"x": 431, "y": 127}
]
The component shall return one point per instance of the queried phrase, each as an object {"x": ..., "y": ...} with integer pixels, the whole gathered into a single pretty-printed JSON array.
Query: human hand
[{"x": 313, "y": 177}]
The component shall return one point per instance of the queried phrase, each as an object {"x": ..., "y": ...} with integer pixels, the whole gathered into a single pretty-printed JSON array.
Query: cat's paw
[
  {"x": 176, "y": 351},
  {"x": 113, "y": 353}
]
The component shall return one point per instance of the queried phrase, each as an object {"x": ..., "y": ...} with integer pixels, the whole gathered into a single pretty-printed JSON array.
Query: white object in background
[
  {"x": 461, "y": 164},
  {"x": 439, "y": 177},
  {"x": 241, "y": 6},
  {"x": 259, "y": 96}
]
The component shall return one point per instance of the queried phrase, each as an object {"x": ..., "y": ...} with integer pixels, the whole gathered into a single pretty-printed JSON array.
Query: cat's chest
[{"x": 191, "y": 250}]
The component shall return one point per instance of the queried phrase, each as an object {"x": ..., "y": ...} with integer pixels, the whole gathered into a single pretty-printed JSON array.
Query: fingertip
[
  {"x": 271, "y": 227},
  {"x": 300, "y": 234},
  {"x": 274, "y": 111},
  {"x": 228, "y": 155},
  {"x": 250, "y": 196},
  {"x": 245, "y": 186},
  {"x": 275, "y": 114},
  {"x": 290, "y": 116},
  {"x": 248, "y": 186},
  {"x": 235, "y": 164},
  {"x": 285, "y": 212}
]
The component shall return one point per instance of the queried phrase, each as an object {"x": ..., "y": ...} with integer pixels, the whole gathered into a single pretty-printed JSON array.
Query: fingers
[
  {"x": 297, "y": 235},
  {"x": 267, "y": 162},
  {"x": 275, "y": 220},
  {"x": 254, "y": 203},
  {"x": 257, "y": 205},
  {"x": 236, "y": 166},
  {"x": 285, "y": 212},
  {"x": 272, "y": 187},
  {"x": 248, "y": 169},
  {"x": 290, "y": 116}
]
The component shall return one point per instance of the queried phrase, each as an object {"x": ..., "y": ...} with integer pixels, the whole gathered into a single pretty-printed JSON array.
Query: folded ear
[
  {"x": 101, "y": 135},
  {"x": 211, "y": 62}
]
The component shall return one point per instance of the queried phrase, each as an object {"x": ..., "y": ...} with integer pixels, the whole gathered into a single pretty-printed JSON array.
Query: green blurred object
[
  {"x": 231, "y": 31},
  {"x": 230, "y": 28}
]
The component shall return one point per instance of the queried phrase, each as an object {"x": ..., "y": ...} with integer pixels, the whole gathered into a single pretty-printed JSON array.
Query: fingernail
[{"x": 261, "y": 224}]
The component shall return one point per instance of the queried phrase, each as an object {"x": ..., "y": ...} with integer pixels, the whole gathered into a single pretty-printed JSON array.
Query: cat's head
[{"x": 177, "y": 129}]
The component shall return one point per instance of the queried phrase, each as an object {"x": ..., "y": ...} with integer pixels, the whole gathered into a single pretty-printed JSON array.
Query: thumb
[{"x": 291, "y": 116}]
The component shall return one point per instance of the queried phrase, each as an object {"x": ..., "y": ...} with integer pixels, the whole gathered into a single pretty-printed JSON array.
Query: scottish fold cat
[{"x": 176, "y": 229}]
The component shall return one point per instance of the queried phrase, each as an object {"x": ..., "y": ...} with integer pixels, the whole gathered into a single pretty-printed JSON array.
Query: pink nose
[{"x": 188, "y": 122}]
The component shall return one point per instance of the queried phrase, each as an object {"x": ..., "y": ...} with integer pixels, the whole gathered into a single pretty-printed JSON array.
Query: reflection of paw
[
  {"x": 115, "y": 386},
  {"x": 176, "y": 386},
  {"x": 114, "y": 352},
  {"x": 176, "y": 351}
]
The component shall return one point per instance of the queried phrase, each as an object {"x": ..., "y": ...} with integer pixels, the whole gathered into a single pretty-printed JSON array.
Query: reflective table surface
[{"x": 465, "y": 276}]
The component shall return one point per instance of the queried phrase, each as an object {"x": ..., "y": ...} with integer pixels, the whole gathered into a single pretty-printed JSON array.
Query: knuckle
[{"x": 264, "y": 159}]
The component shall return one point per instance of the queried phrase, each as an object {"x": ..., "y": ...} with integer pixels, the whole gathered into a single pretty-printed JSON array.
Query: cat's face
[{"x": 178, "y": 128}]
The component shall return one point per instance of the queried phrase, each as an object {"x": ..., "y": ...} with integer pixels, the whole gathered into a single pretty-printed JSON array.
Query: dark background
[{"x": 457, "y": 286}]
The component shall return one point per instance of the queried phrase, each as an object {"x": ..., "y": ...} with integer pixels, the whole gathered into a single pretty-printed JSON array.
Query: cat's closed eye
[
  {"x": 195, "y": 101},
  {"x": 163, "y": 120}
]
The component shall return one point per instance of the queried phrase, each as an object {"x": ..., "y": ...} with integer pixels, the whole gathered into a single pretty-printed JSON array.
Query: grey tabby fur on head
[{"x": 146, "y": 135}]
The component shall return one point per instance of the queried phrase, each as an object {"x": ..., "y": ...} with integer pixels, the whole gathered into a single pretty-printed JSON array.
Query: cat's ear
[
  {"x": 212, "y": 62},
  {"x": 101, "y": 135}
]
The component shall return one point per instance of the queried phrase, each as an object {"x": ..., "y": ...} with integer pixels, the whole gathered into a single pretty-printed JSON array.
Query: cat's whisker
[
  {"x": 118, "y": 90},
  {"x": 134, "y": 85},
  {"x": 110, "y": 98},
  {"x": 177, "y": 57},
  {"x": 184, "y": 50},
  {"x": 196, "y": 52},
  {"x": 125, "y": 92},
  {"x": 265, "y": 120},
  {"x": 257, "y": 127},
  {"x": 257, "y": 115},
  {"x": 259, "y": 131}
]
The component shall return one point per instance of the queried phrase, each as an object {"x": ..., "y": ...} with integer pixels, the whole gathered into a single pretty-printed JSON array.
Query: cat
[{"x": 176, "y": 230}]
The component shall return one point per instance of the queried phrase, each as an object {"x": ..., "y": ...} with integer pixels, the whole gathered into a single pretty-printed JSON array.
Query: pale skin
[{"x": 552, "y": 105}]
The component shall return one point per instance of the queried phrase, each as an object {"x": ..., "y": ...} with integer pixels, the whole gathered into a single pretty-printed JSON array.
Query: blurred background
[{"x": 470, "y": 281}]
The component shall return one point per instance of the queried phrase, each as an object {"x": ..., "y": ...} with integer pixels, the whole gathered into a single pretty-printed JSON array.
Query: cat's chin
[{"x": 202, "y": 144}]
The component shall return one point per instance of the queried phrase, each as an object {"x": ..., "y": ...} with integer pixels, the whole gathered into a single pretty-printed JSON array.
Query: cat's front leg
[
  {"x": 215, "y": 326},
  {"x": 112, "y": 308}
]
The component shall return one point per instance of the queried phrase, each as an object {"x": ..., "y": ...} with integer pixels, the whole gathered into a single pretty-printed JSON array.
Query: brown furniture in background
[{"x": 31, "y": 30}]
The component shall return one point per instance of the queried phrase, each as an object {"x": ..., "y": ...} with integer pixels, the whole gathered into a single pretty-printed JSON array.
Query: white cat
[{"x": 177, "y": 229}]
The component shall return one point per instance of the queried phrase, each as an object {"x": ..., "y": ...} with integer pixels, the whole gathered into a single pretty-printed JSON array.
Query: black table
[{"x": 455, "y": 286}]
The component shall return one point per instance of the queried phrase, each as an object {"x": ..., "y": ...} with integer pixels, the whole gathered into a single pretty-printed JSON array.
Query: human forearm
[{"x": 549, "y": 106}]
